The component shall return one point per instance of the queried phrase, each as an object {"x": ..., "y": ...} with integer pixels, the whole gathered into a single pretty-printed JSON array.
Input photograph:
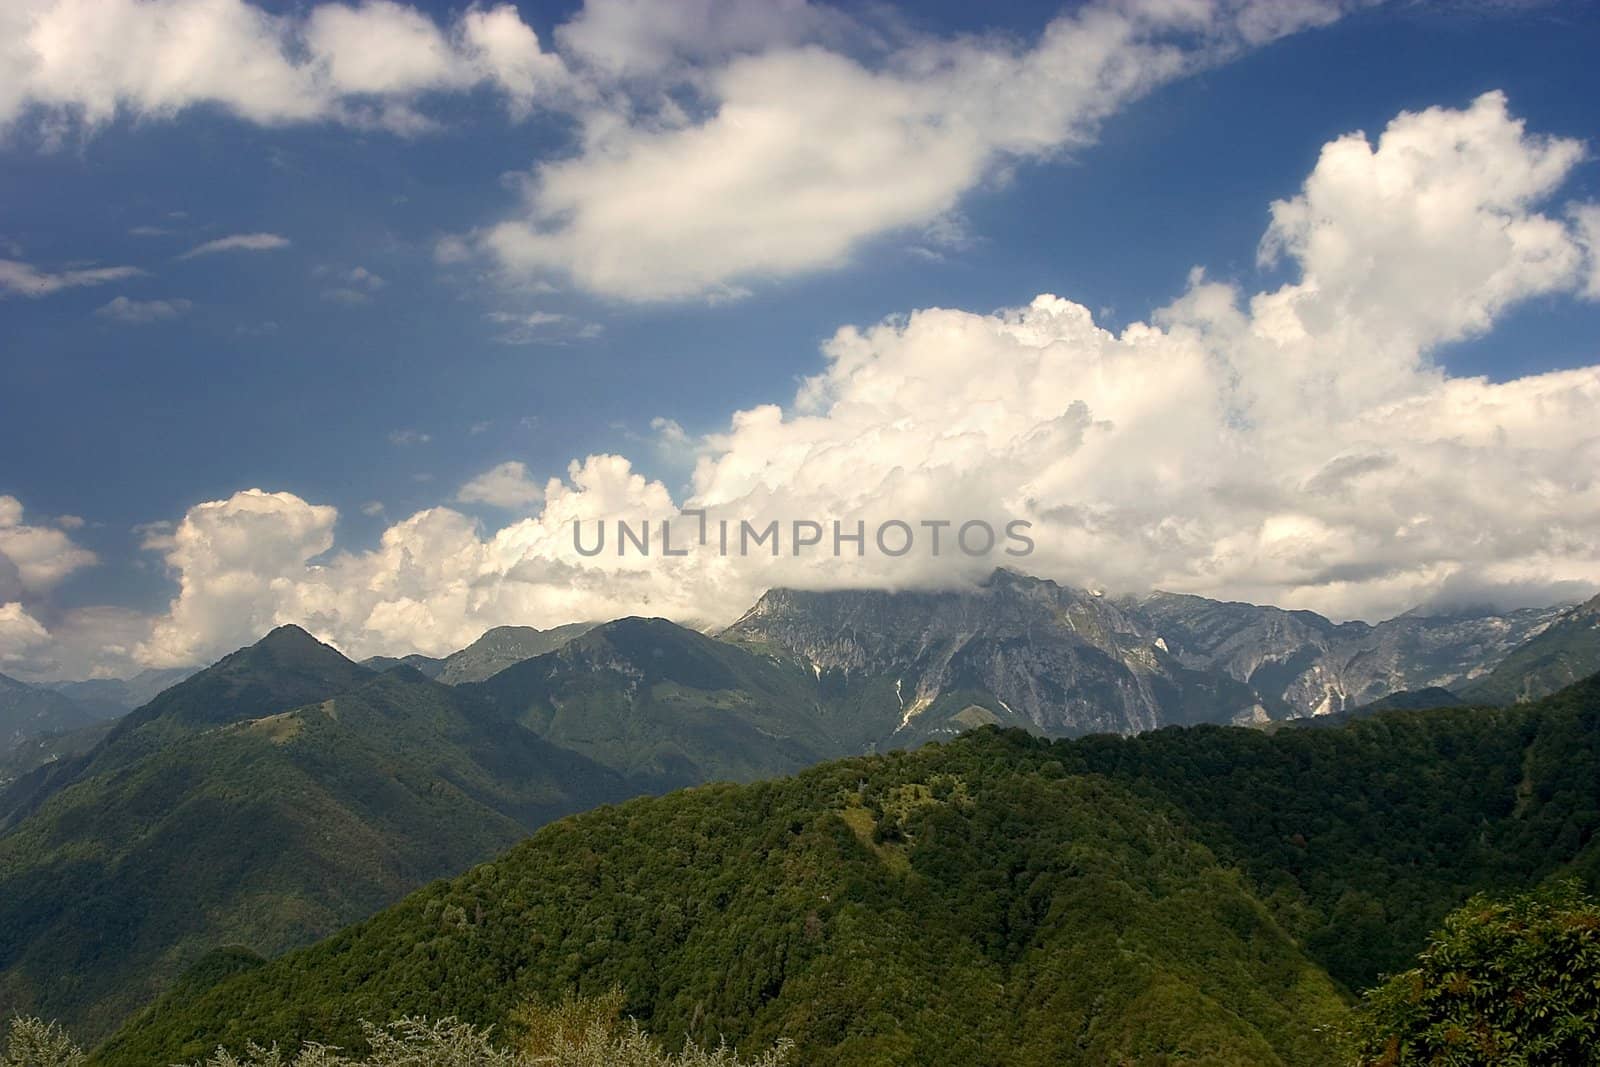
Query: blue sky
[{"x": 365, "y": 362}]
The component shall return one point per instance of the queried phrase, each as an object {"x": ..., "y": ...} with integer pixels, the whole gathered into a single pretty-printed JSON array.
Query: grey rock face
[
  {"x": 1065, "y": 661},
  {"x": 1061, "y": 661},
  {"x": 1302, "y": 664}
]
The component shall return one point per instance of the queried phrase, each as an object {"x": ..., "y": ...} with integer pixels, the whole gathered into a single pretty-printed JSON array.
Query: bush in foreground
[
  {"x": 1509, "y": 983},
  {"x": 577, "y": 1032}
]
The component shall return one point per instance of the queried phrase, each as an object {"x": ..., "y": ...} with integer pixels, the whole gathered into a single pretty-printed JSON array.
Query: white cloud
[
  {"x": 541, "y": 327},
  {"x": 381, "y": 48},
  {"x": 803, "y": 153},
  {"x": 669, "y": 434},
  {"x": 1298, "y": 445},
  {"x": 356, "y": 285},
  {"x": 224, "y": 554},
  {"x": 1587, "y": 219},
  {"x": 239, "y": 242},
  {"x": 21, "y": 636},
  {"x": 93, "y": 60},
  {"x": 719, "y": 142},
  {"x": 34, "y": 559},
  {"x": 122, "y": 309},
  {"x": 507, "y": 486},
  {"x": 401, "y": 438},
  {"x": 640, "y": 39},
  {"x": 26, "y": 280}
]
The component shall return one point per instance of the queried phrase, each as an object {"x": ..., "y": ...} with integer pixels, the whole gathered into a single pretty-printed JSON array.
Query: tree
[
  {"x": 36, "y": 1043},
  {"x": 1512, "y": 983}
]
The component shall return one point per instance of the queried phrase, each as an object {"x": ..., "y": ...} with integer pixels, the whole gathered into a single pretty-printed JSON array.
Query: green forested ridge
[
  {"x": 286, "y": 791},
  {"x": 668, "y": 706},
  {"x": 503, "y": 646},
  {"x": 269, "y": 831},
  {"x": 286, "y": 668},
  {"x": 957, "y": 905},
  {"x": 997, "y": 899}
]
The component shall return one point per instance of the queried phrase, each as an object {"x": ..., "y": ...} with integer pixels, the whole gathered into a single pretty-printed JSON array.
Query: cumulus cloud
[
  {"x": 93, "y": 60},
  {"x": 136, "y": 312},
  {"x": 507, "y": 486},
  {"x": 34, "y": 559},
  {"x": 21, "y": 636},
  {"x": 239, "y": 242},
  {"x": 224, "y": 553},
  {"x": 718, "y": 142},
  {"x": 796, "y": 152},
  {"x": 27, "y": 280},
  {"x": 1299, "y": 445}
]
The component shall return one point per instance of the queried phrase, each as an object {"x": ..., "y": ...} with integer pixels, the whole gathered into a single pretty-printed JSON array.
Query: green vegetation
[
  {"x": 576, "y": 1032},
  {"x": 503, "y": 647},
  {"x": 1513, "y": 983},
  {"x": 269, "y": 831},
  {"x": 667, "y": 706},
  {"x": 969, "y": 903},
  {"x": 1188, "y": 893},
  {"x": 35, "y": 1043},
  {"x": 28, "y": 713},
  {"x": 285, "y": 669},
  {"x": 997, "y": 899}
]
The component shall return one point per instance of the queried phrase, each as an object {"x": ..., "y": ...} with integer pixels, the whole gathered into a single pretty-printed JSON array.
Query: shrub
[{"x": 1512, "y": 983}]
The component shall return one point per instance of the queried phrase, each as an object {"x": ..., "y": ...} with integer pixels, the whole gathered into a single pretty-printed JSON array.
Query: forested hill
[
  {"x": 270, "y": 830},
  {"x": 1204, "y": 892}
]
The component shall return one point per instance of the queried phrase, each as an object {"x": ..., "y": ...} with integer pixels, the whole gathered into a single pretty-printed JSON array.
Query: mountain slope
[
  {"x": 286, "y": 668},
  {"x": 427, "y": 666},
  {"x": 997, "y": 899},
  {"x": 28, "y": 711},
  {"x": 503, "y": 646},
  {"x": 904, "y": 667},
  {"x": 1558, "y": 656},
  {"x": 267, "y": 831},
  {"x": 110, "y": 697},
  {"x": 667, "y": 706},
  {"x": 1014, "y": 651},
  {"x": 1300, "y": 663},
  {"x": 945, "y": 907}
]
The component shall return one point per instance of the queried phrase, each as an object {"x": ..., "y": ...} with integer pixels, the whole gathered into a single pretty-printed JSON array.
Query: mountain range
[
  {"x": 267, "y": 800},
  {"x": 1062, "y": 661},
  {"x": 286, "y": 792},
  {"x": 41, "y": 723}
]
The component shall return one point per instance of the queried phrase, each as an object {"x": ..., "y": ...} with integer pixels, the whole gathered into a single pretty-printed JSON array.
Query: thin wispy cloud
[
  {"x": 137, "y": 312},
  {"x": 24, "y": 279},
  {"x": 402, "y": 438},
  {"x": 541, "y": 328}
]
